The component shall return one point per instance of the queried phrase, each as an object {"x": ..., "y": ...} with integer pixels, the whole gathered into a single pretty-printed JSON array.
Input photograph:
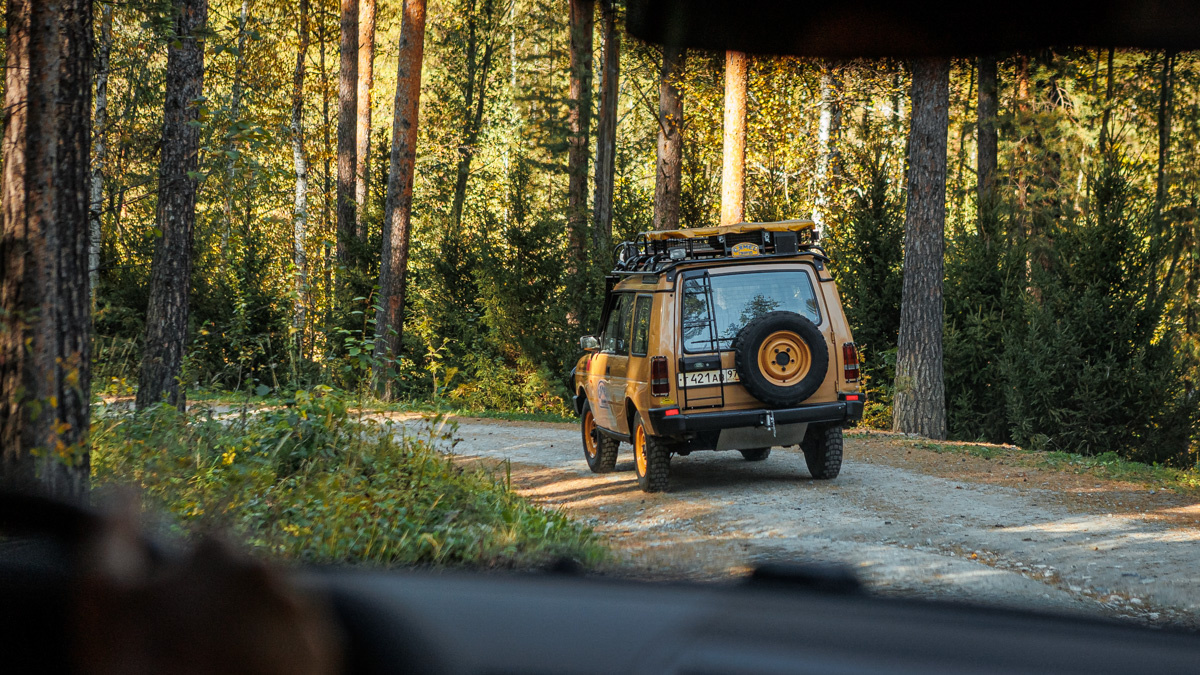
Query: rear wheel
[
  {"x": 652, "y": 458},
  {"x": 599, "y": 450},
  {"x": 822, "y": 448},
  {"x": 756, "y": 455}
]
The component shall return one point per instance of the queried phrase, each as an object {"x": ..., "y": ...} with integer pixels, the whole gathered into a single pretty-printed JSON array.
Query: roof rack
[{"x": 658, "y": 250}]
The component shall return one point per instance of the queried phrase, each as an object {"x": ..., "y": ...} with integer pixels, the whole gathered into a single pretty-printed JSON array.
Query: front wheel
[
  {"x": 599, "y": 450},
  {"x": 652, "y": 458},
  {"x": 822, "y": 448}
]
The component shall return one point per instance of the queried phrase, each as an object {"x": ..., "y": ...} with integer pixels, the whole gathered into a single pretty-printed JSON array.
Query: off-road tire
[
  {"x": 822, "y": 448},
  {"x": 656, "y": 474},
  {"x": 756, "y": 454},
  {"x": 605, "y": 458},
  {"x": 746, "y": 348}
]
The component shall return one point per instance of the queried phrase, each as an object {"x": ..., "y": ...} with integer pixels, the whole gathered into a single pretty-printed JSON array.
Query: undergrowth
[{"x": 314, "y": 482}]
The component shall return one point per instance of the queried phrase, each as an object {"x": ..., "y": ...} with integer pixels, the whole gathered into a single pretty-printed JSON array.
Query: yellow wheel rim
[
  {"x": 639, "y": 449},
  {"x": 589, "y": 434},
  {"x": 784, "y": 359}
]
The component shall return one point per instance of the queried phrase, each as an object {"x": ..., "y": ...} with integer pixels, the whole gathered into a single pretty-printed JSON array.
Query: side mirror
[{"x": 589, "y": 343}]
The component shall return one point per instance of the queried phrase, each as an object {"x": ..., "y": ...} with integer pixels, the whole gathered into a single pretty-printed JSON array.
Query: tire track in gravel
[{"x": 903, "y": 531}]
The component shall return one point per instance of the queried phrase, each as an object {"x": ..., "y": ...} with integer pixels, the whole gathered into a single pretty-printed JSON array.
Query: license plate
[{"x": 706, "y": 378}]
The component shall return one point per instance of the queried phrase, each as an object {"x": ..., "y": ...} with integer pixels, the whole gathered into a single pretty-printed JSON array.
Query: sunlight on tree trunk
[
  {"x": 171, "y": 271},
  {"x": 578, "y": 119},
  {"x": 669, "y": 170},
  {"x": 45, "y": 359},
  {"x": 606, "y": 130},
  {"x": 733, "y": 172},
  {"x": 366, "y": 80},
  {"x": 300, "y": 202},
  {"x": 920, "y": 405},
  {"x": 235, "y": 113},
  {"x": 100, "y": 146},
  {"x": 347, "y": 142},
  {"x": 986, "y": 145},
  {"x": 397, "y": 217}
]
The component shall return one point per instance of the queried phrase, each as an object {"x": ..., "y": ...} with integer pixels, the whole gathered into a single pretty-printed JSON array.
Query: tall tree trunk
[
  {"x": 300, "y": 208},
  {"x": 606, "y": 129},
  {"x": 1108, "y": 94},
  {"x": 171, "y": 270},
  {"x": 1165, "y": 105},
  {"x": 828, "y": 130},
  {"x": 397, "y": 214},
  {"x": 579, "y": 118},
  {"x": 235, "y": 114},
  {"x": 366, "y": 80},
  {"x": 668, "y": 175},
  {"x": 45, "y": 320},
  {"x": 474, "y": 100},
  {"x": 100, "y": 147},
  {"x": 327, "y": 209},
  {"x": 920, "y": 405},
  {"x": 347, "y": 142},
  {"x": 733, "y": 172},
  {"x": 986, "y": 145}
]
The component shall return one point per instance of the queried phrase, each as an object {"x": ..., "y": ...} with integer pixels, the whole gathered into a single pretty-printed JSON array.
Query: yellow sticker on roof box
[{"x": 745, "y": 248}]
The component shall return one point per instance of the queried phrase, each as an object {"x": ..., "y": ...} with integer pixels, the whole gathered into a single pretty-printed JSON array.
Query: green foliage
[{"x": 310, "y": 482}]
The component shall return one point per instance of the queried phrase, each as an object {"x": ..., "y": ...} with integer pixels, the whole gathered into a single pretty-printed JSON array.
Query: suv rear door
[{"x": 607, "y": 370}]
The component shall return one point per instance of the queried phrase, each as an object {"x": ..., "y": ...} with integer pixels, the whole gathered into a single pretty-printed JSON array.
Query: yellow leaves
[{"x": 228, "y": 457}]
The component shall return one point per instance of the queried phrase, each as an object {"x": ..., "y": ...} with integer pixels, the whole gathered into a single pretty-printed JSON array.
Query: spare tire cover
[{"x": 781, "y": 358}]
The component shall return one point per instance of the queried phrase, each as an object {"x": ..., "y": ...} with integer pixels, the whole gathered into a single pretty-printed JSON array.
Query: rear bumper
[{"x": 813, "y": 413}]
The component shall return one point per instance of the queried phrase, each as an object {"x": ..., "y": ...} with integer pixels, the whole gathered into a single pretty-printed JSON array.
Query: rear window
[{"x": 717, "y": 307}]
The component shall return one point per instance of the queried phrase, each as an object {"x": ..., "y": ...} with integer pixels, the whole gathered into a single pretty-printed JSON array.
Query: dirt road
[{"x": 909, "y": 521}]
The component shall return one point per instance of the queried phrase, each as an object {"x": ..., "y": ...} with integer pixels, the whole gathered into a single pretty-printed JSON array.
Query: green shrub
[{"x": 311, "y": 482}]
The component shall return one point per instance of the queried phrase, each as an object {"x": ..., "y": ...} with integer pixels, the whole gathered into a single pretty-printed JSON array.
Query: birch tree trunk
[
  {"x": 397, "y": 216},
  {"x": 45, "y": 320},
  {"x": 300, "y": 204},
  {"x": 606, "y": 130},
  {"x": 99, "y": 148},
  {"x": 733, "y": 172},
  {"x": 171, "y": 270},
  {"x": 668, "y": 174},
  {"x": 366, "y": 81},
  {"x": 347, "y": 142},
  {"x": 920, "y": 404},
  {"x": 578, "y": 120}
]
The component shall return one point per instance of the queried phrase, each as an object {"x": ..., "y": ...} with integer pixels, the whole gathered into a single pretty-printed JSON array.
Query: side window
[
  {"x": 641, "y": 325},
  {"x": 616, "y": 333}
]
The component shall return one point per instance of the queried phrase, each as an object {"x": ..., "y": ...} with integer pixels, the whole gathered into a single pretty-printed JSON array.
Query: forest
[{"x": 418, "y": 200}]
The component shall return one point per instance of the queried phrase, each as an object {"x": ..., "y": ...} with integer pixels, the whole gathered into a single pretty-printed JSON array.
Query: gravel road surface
[{"x": 904, "y": 531}]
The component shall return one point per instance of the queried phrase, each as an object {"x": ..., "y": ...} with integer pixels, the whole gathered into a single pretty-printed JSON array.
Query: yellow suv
[{"x": 719, "y": 338}]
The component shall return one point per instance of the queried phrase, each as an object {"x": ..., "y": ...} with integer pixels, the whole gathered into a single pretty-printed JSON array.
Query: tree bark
[
  {"x": 578, "y": 120},
  {"x": 986, "y": 143},
  {"x": 397, "y": 216},
  {"x": 171, "y": 270},
  {"x": 733, "y": 172},
  {"x": 1108, "y": 94},
  {"x": 828, "y": 131},
  {"x": 606, "y": 130},
  {"x": 920, "y": 404},
  {"x": 474, "y": 99},
  {"x": 300, "y": 202},
  {"x": 366, "y": 80},
  {"x": 347, "y": 142},
  {"x": 45, "y": 320},
  {"x": 668, "y": 175},
  {"x": 235, "y": 113},
  {"x": 1165, "y": 105},
  {"x": 99, "y": 147},
  {"x": 326, "y": 176}
]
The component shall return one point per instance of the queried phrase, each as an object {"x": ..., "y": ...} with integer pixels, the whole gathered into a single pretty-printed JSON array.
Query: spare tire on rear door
[{"x": 781, "y": 358}]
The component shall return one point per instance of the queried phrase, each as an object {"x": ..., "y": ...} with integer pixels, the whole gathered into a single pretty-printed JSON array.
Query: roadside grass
[
  {"x": 371, "y": 405},
  {"x": 1107, "y": 466},
  {"x": 313, "y": 482}
]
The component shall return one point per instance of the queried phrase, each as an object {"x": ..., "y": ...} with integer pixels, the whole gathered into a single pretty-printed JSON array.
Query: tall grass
[{"x": 311, "y": 482}]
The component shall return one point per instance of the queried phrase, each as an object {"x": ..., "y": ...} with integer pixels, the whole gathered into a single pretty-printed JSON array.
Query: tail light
[
  {"x": 659, "y": 384},
  {"x": 850, "y": 362}
]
